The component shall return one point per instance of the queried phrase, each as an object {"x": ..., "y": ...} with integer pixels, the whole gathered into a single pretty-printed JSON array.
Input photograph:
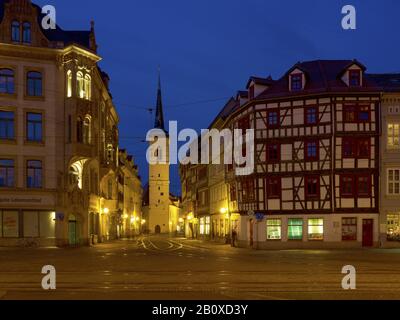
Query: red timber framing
[{"x": 296, "y": 129}]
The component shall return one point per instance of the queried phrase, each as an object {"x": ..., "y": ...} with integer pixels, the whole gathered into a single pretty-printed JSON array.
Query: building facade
[
  {"x": 316, "y": 181},
  {"x": 58, "y": 135}
]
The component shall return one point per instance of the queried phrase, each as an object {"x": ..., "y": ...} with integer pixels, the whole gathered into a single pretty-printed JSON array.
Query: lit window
[
  {"x": 349, "y": 229},
  {"x": 15, "y": 31},
  {"x": 7, "y": 173},
  {"x": 202, "y": 225},
  {"x": 274, "y": 229},
  {"x": 26, "y": 32},
  {"x": 393, "y": 136},
  {"x": 88, "y": 87},
  {"x": 316, "y": 229},
  {"x": 87, "y": 132},
  {"x": 7, "y": 81},
  {"x": 394, "y": 181},
  {"x": 354, "y": 78},
  {"x": 311, "y": 116},
  {"x": 7, "y": 123},
  {"x": 350, "y": 114},
  {"x": 80, "y": 85},
  {"x": 34, "y": 174},
  {"x": 208, "y": 226},
  {"x": 69, "y": 83},
  {"x": 296, "y": 82},
  {"x": 393, "y": 227},
  {"x": 34, "y": 84},
  {"x": 295, "y": 229},
  {"x": 34, "y": 127}
]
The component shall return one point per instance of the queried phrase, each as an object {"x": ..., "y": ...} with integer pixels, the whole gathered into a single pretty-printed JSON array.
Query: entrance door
[
  {"x": 72, "y": 231},
  {"x": 251, "y": 233},
  {"x": 158, "y": 229},
  {"x": 368, "y": 233}
]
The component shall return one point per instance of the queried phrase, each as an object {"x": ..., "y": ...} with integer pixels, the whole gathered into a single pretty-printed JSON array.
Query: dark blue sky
[{"x": 207, "y": 50}]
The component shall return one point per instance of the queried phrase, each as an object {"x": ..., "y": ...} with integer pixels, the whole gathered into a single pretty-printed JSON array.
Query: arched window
[
  {"x": 26, "y": 32},
  {"x": 69, "y": 83},
  {"x": 79, "y": 130},
  {"x": 87, "y": 131},
  {"x": 88, "y": 87},
  {"x": 34, "y": 84},
  {"x": 15, "y": 31},
  {"x": 7, "y": 81},
  {"x": 80, "y": 85}
]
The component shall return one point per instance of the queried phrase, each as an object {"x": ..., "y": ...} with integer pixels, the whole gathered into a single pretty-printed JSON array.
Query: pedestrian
[{"x": 234, "y": 236}]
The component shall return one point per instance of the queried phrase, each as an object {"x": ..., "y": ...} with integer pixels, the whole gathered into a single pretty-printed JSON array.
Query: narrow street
[{"x": 172, "y": 268}]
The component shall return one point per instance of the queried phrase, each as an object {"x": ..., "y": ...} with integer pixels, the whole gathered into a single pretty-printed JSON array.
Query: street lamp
[{"x": 106, "y": 211}]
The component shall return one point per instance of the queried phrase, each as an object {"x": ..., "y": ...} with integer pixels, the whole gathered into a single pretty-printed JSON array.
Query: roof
[
  {"x": 230, "y": 106},
  {"x": 389, "y": 82},
  {"x": 81, "y": 38},
  {"x": 261, "y": 81}
]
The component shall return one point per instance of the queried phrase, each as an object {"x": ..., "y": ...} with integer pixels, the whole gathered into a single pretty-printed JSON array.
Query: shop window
[
  {"x": 274, "y": 229},
  {"x": 202, "y": 225},
  {"x": 316, "y": 229},
  {"x": 10, "y": 224},
  {"x": 295, "y": 229},
  {"x": 47, "y": 224},
  {"x": 393, "y": 227},
  {"x": 208, "y": 226},
  {"x": 349, "y": 229},
  {"x": 31, "y": 224}
]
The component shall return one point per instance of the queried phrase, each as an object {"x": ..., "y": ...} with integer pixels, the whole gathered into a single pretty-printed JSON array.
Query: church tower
[{"x": 159, "y": 200}]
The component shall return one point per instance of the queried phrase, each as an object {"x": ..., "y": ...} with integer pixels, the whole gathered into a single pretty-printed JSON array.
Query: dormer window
[
  {"x": 354, "y": 78},
  {"x": 296, "y": 83},
  {"x": 26, "y": 32},
  {"x": 15, "y": 31}
]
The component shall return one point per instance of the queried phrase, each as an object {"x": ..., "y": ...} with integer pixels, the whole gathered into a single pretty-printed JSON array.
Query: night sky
[{"x": 208, "y": 49}]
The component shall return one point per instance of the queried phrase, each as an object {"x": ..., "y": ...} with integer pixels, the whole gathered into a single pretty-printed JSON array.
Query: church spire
[{"x": 159, "y": 123}]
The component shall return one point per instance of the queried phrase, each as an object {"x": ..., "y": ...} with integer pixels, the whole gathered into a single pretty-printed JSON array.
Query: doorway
[
  {"x": 251, "y": 233},
  {"x": 157, "y": 229},
  {"x": 368, "y": 233},
  {"x": 73, "y": 239}
]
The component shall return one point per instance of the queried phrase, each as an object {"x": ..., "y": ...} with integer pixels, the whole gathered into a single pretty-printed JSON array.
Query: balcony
[{"x": 80, "y": 150}]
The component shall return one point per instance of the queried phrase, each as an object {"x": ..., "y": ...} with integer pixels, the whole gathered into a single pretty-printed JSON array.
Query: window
[
  {"x": 10, "y": 224},
  {"x": 393, "y": 136},
  {"x": 393, "y": 227},
  {"x": 311, "y": 150},
  {"x": 350, "y": 114},
  {"x": 7, "y": 173},
  {"x": 251, "y": 92},
  {"x": 295, "y": 229},
  {"x": 364, "y": 113},
  {"x": 79, "y": 130},
  {"x": 273, "y": 188},
  {"x": 274, "y": 229},
  {"x": 233, "y": 193},
  {"x": 356, "y": 148},
  {"x": 69, "y": 84},
  {"x": 248, "y": 191},
  {"x": 34, "y": 84},
  {"x": 34, "y": 127},
  {"x": 208, "y": 226},
  {"x": 26, "y": 32},
  {"x": 355, "y": 113},
  {"x": 88, "y": 87},
  {"x": 296, "y": 82},
  {"x": 312, "y": 187},
  {"x": 273, "y": 118},
  {"x": 311, "y": 115},
  {"x": 349, "y": 229},
  {"x": 15, "y": 31},
  {"x": 347, "y": 186},
  {"x": 394, "y": 181},
  {"x": 7, "y": 122},
  {"x": 80, "y": 85},
  {"x": 7, "y": 81},
  {"x": 274, "y": 152},
  {"x": 354, "y": 78},
  {"x": 315, "y": 229},
  {"x": 364, "y": 186},
  {"x": 87, "y": 134},
  {"x": 202, "y": 225},
  {"x": 34, "y": 174},
  {"x": 364, "y": 148}
]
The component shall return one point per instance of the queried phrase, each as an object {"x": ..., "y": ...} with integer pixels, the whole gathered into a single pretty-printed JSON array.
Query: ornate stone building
[{"x": 58, "y": 135}]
